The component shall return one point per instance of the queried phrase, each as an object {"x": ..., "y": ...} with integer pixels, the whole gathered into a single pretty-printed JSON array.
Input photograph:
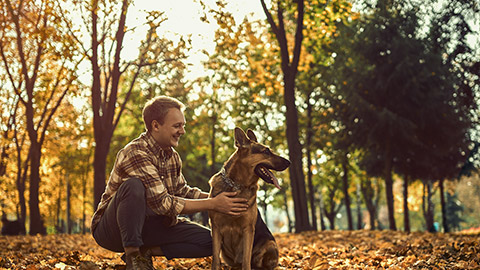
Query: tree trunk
[
  {"x": 345, "y": 191},
  {"x": 331, "y": 218},
  {"x": 311, "y": 190},
  {"x": 84, "y": 204},
  {"x": 359, "y": 208},
  {"x": 104, "y": 101},
  {"x": 446, "y": 227},
  {"x": 21, "y": 178},
  {"x": 389, "y": 188},
  {"x": 289, "y": 70},
  {"x": 295, "y": 154},
  {"x": 36, "y": 222},
  {"x": 428, "y": 206},
  {"x": 287, "y": 212},
  {"x": 68, "y": 199},
  {"x": 367, "y": 192},
  {"x": 99, "y": 166},
  {"x": 321, "y": 206},
  {"x": 58, "y": 218},
  {"x": 406, "y": 214}
]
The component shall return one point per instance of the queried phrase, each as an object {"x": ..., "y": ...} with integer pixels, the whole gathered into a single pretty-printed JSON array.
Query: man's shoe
[
  {"x": 138, "y": 261},
  {"x": 147, "y": 254}
]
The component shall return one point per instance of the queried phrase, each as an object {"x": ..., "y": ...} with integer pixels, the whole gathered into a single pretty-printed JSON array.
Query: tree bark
[
  {"x": 359, "y": 208},
  {"x": 389, "y": 188},
  {"x": 287, "y": 211},
  {"x": 99, "y": 164},
  {"x": 295, "y": 154},
  {"x": 367, "y": 192},
  {"x": 446, "y": 227},
  {"x": 406, "y": 214},
  {"x": 321, "y": 206},
  {"x": 21, "y": 178},
  {"x": 104, "y": 101},
  {"x": 345, "y": 191},
  {"x": 68, "y": 199},
  {"x": 36, "y": 222},
  {"x": 289, "y": 70},
  {"x": 311, "y": 190},
  {"x": 428, "y": 211}
]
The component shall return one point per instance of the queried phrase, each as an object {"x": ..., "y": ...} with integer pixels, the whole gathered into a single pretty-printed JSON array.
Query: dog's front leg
[
  {"x": 248, "y": 234},
  {"x": 216, "y": 242}
]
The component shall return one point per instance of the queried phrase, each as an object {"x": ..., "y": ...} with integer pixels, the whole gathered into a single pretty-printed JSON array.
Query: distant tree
[
  {"x": 399, "y": 101},
  {"x": 242, "y": 86},
  {"x": 331, "y": 189},
  {"x": 38, "y": 56},
  {"x": 454, "y": 211},
  {"x": 13, "y": 149},
  {"x": 289, "y": 65},
  {"x": 311, "y": 82},
  {"x": 104, "y": 23}
]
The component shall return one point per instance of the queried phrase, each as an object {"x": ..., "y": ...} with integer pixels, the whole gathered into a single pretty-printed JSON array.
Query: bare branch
[
  {"x": 127, "y": 96},
  {"x": 298, "y": 35},
  {"x": 269, "y": 18},
  {"x": 10, "y": 76}
]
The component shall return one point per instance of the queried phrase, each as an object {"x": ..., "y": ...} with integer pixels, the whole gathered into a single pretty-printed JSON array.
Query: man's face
[{"x": 168, "y": 134}]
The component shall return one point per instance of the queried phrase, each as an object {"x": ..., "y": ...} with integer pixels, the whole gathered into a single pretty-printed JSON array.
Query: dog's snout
[{"x": 283, "y": 164}]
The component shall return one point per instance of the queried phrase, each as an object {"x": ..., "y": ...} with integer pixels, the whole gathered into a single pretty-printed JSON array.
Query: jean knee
[{"x": 132, "y": 187}]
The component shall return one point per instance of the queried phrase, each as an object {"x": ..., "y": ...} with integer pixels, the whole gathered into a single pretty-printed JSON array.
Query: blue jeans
[{"x": 128, "y": 222}]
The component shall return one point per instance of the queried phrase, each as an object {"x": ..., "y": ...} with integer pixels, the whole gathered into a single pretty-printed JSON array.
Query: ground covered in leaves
[{"x": 311, "y": 250}]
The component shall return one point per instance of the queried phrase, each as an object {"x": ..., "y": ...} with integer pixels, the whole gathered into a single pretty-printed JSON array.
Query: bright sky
[{"x": 184, "y": 19}]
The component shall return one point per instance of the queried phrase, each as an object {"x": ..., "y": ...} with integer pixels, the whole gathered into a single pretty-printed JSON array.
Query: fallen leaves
[
  {"x": 310, "y": 250},
  {"x": 379, "y": 250}
]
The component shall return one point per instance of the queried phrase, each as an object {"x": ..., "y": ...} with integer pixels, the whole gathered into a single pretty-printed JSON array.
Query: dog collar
[{"x": 229, "y": 182}]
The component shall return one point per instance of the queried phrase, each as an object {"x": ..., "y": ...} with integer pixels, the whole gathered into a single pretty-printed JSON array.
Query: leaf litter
[{"x": 309, "y": 250}]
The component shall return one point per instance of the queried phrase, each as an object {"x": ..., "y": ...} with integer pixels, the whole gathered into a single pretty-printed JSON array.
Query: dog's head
[{"x": 259, "y": 157}]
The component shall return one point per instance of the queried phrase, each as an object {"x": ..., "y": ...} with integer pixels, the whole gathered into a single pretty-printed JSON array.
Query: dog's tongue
[
  {"x": 267, "y": 176},
  {"x": 275, "y": 181}
]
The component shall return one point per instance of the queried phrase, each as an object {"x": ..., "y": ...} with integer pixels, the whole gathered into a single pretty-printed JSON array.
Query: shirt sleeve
[
  {"x": 140, "y": 164},
  {"x": 183, "y": 189}
]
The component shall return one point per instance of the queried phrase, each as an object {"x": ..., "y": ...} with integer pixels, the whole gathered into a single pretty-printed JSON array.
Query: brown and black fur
[{"x": 245, "y": 240}]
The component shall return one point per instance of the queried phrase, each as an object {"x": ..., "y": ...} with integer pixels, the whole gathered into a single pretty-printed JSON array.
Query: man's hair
[{"x": 157, "y": 108}]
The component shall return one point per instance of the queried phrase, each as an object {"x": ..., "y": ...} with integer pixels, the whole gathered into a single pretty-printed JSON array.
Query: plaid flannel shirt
[{"x": 160, "y": 172}]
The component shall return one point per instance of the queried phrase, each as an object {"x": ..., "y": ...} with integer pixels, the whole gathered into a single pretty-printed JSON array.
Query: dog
[{"x": 245, "y": 240}]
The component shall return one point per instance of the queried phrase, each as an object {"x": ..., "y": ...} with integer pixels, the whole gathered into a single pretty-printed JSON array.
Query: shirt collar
[{"x": 155, "y": 147}]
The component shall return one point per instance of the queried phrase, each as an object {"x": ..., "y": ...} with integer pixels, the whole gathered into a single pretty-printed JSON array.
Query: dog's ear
[
  {"x": 240, "y": 138},
  {"x": 251, "y": 135}
]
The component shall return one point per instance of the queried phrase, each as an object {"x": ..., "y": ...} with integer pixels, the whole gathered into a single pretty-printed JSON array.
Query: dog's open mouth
[{"x": 264, "y": 173}]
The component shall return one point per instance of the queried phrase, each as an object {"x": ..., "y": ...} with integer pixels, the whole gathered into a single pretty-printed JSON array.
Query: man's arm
[{"x": 224, "y": 203}]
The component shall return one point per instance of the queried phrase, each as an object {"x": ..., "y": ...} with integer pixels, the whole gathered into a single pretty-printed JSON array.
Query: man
[{"x": 146, "y": 191}]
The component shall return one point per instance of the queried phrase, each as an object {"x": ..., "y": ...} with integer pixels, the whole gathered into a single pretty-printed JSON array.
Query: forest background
[{"x": 375, "y": 104}]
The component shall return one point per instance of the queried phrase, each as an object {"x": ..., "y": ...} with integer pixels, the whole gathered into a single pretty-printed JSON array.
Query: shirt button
[
  {"x": 162, "y": 176},
  {"x": 163, "y": 163}
]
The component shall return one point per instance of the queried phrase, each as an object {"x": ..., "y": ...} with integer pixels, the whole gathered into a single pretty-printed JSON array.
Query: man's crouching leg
[{"x": 120, "y": 228}]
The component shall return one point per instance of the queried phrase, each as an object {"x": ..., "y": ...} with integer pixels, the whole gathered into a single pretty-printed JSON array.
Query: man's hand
[{"x": 226, "y": 203}]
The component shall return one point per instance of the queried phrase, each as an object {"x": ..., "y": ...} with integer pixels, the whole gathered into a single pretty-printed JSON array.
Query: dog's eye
[{"x": 267, "y": 151}]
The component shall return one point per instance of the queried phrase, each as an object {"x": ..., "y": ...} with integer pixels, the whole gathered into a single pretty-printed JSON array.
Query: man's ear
[
  {"x": 240, "y": 138},
  {"x": 251, "y": 135},
  {"x": 155, "y": 124}
]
